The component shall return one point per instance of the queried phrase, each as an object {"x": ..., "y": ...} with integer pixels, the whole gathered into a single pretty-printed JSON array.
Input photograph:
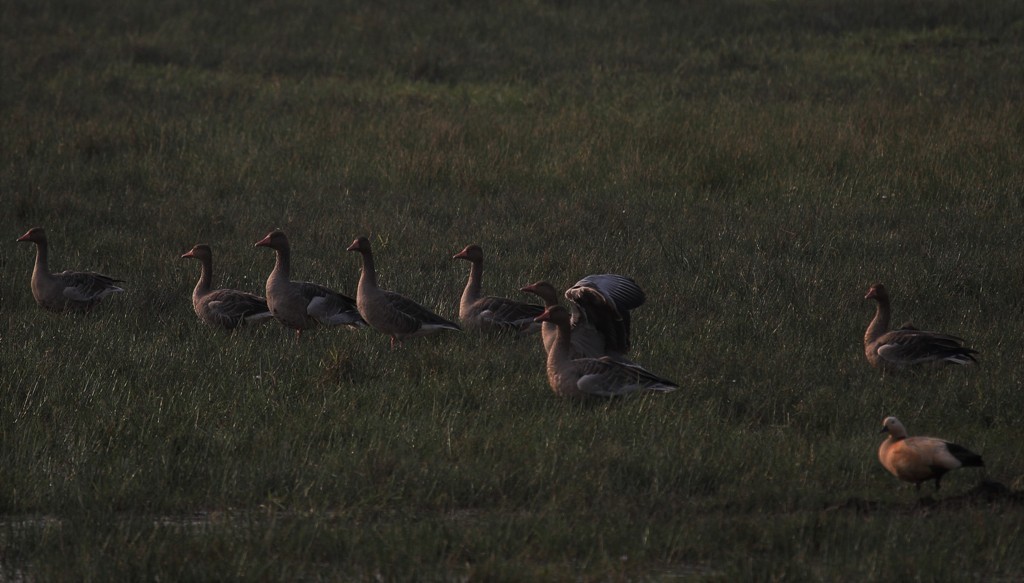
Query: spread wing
[{"x": 600, "y": 306}]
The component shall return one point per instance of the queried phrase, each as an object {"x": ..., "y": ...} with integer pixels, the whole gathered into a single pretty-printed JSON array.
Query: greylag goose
[
  {"x": 299, "y": 304},
  {"x": 907, "y": 346},
  {"x": 601, "y": 377},
  {"x": 78, "y": 290},
  {"x": 919, "y": 459},
  {"x": 600, "y": 307},
  {"x": 489, "y": 312},
  {"x": 222, "y": 308},
  {"x": 391, "y": 313}
]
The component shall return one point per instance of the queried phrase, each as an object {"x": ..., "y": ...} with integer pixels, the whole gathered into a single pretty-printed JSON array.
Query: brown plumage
[
  {"x": 919, "y": 459},
  {"x": 490, "y": 312},
  {"x": 222, "y": 308},
  {"x": 602, "y": 377},
  {"x": 74, "y": 290},
  {"x": 600, "y": 307},
  {"x": 907, "y": 347},
  {"x": 389, "y": 312},
  {"x": 299, "y": 304}
]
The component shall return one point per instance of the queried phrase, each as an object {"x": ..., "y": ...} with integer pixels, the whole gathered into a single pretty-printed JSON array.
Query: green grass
[{"x": 754, "y": 165}]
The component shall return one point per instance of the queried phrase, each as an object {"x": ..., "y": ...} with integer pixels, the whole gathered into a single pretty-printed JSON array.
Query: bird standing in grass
[
  {"x": 490, "y": 312},
  {"x": 75, "y": 290},
  {"x": 919, "y": 459},
  {"x": 222, "y": 308},
  {"x": 600, "y": 306},
  {"x": 301, "y": 305},
  {"x": 602, "y": 377},
  {"x": 908, "y": 347},
  {"x": 389, "y": 312}
]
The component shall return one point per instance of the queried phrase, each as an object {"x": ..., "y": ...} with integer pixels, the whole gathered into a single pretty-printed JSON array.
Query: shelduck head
[{"x": 893, "y": 427}]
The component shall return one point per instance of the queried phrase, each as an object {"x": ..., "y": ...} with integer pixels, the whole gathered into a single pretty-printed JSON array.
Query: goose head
[
  {"x": 34, "y": 235},
  {"x": 877, "y": 292},
  {"x": 275, "y": 240},
  {"x": 201, "y": 252},
  {"x": 472, "y": 253}
]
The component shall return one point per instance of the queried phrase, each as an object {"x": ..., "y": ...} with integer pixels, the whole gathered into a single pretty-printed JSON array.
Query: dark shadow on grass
[{"x": 987, "y": 492}]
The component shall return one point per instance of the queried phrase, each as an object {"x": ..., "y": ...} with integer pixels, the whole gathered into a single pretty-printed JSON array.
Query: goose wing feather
[{"x": 618, "y": 290}]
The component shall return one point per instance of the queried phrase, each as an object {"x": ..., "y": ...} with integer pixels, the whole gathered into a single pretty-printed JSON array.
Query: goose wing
[
  {"x": 600, "y": 307},
  {"x": 87, "y": 286},
  {"x": 507, "y": 313},
  {"x": 610, "y": 378},
  {"x": 617, "y": 290},
  {"x": 230, "y": 308},
  {"x": 328, "y": 306},
  {"x": 410, "y": 309},
  {"x": 909, "y": 346}
]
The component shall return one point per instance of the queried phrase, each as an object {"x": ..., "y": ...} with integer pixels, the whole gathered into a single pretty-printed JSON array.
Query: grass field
[{"x": 755, "y": 165}]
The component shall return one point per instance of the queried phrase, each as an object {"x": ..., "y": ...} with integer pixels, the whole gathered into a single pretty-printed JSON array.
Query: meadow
[{"x": 755, "y": 165}]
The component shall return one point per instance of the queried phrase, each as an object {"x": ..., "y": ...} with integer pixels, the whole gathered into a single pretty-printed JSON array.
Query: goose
[
  {"x": 222, "y": 308},
  {"x": 907, "y": 346},
  {"x": 489, "y": 312},
  {"x": 77, "y": 290},
  {"x": 389, "y": 312},
  {"x": 301, "y": 305},
  {"x": 600, "y": 307},
  {"x": 919, "y": 459},
  {"x": 603, "y": 377}
]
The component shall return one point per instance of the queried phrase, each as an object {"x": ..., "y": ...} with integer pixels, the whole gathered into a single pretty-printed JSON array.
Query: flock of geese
[{"x": 586, "y": 344}]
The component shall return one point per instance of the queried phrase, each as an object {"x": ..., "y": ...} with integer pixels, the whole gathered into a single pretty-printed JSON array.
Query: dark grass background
[{"x": 754, "y": 165}]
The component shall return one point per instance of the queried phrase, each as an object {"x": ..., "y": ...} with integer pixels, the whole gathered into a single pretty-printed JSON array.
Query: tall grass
[{"x": 754, "y": 165}]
